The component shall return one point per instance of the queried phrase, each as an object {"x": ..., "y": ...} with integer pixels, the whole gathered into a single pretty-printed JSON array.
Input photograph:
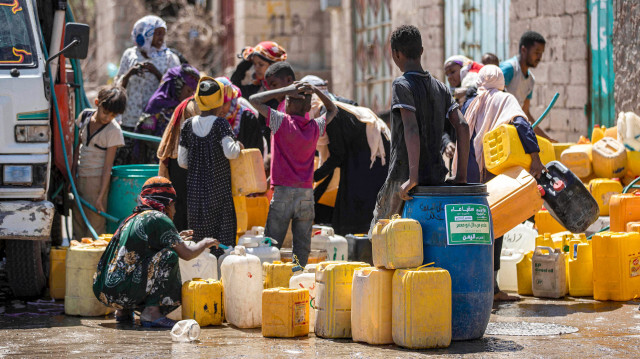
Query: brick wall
[
  {"x": 626, "y": 53},
  {"x": 114, "y": 21},
  {"x": 564, "y": 67},
  {"x": 300, "y": 26}
]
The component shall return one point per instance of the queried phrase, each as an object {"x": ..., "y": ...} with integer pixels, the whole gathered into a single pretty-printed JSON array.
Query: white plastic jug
[
  {"x": 226, "y": 253},
  {"x": 308, "y": 281},
  {"x": 255, "y": 234},
  {"x": 522, "y": 236},
  {"x": 549, "y": 277},
  {"x": 185, "y": 331},
  {"x": 260, "y": 246},
  {"x": 508, "y": 275},
  {"x": 336, "y": 246},
  {"x": 242, "y": 281},
  {"x": 203, "y": 266}
]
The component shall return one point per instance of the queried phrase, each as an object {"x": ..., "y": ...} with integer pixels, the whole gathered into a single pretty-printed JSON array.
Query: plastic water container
[
  {"x": 371, "y": 306},
  {"x": 307, "y": 281},
  {"x": 508, "y": 273},
  {"x": 57, "y": 272},
  {"x": 397, "y": 243},
  {"x": 616, "y": 266},
  {"x": 328, "y": 198},
  {"x": 422, "y": 310},
  {"x": 602, "y": 189},
  {"x": 513, "y": 198},
  {"x": 633, "y": 163},
  {"x": 629, "y": 130},
  {"x": 333, "y": 298},
  {"x": 611, "y": 132},
  {"x": 567, "y": 199},
  {"x": 203, "y": 266},
  {"x": 596, "y": 134},
  {"x": 524, "y": 274},
  {"x": 315, "y": 256},
  {"x": 360, "y": 249},
  {"x": 578, "y": 159},
  {"x": 277, "y": 274},
  {"x": 185, "y": 331},
  {"x": 609, "y": 158},
  {"x": 242, "y": 217},
  {"x": 325, "y": 238},
  {"x": 502, "y": 149},
  {"x": 247, "y": 173},
  {"x": 257, "y": 211},
  {"x": 558, "y": 148},
  {"x": 545, "y": 223},
  {"x": 521, "y": 237},
  {"x": 549, "y": 278},
  {"x": 580, "y": 269},
  {"x": 202, "y": 301},
  {"x": 126, "y": 184},
  {"x": 285, "y": 312},
  {"x": 623, "y": 208},
  {"x": 468, "y": 257},
  {"x": 633, "y": 227},
  {"x": 226, "y": 253},
  {"x": 258, "y": 245},
  {"x": 82, "y": 261},
  {"x": 242, "y": 281}
]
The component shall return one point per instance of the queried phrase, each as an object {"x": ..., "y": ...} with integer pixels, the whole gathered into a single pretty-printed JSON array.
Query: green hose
[
  {"x": 544, "y": 114},
  {"x": 140, "y": 136}
]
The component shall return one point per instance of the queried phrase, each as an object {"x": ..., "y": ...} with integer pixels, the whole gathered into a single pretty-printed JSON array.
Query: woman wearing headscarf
[
  {"x": 491, "y": 108},
  {"x": 141, "y": 69},
  {"x": 178, "y": 84},
  {"x": 260, "y": 58},
  {"x": 139, "y": 268}
]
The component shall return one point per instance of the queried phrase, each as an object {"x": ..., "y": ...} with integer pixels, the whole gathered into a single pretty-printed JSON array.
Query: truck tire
[
  {"x": 26, "y": 267},
  {"x": 56, "y": 230}
]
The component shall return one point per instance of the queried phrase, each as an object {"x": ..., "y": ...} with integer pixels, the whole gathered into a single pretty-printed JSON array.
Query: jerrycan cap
[
  {"x": 542, "y": 191},
  {"x": 558, "y": 186}
]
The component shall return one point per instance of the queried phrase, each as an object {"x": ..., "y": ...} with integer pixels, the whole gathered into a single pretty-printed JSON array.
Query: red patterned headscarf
[
  {"x": 268, "y": 50},
  {"x": 157, "y": 194}
]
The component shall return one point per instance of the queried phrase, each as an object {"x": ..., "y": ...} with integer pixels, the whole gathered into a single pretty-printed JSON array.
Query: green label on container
[{"x": 468, "y": 224}]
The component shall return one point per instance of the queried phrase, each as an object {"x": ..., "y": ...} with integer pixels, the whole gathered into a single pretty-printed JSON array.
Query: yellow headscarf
[{"x": 207, "y": 96}]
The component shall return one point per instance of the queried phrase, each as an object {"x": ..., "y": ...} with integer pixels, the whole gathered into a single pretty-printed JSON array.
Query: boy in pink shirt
[{"x": 293, "y": 148}]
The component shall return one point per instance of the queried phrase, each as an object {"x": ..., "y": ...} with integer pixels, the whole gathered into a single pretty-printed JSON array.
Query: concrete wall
[
  {"x": 114, "y": 21},
  {"x": 564, "y": 67},
  {"x": 342, "y": 69},
  {"x": 626, "y": 53},
  {"x": 298, "y": 25}
]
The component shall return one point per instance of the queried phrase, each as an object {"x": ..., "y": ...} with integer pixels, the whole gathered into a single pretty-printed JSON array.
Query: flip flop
[
  {"x": 128, "y": 317},
  {"x": 163, "y": 322}
]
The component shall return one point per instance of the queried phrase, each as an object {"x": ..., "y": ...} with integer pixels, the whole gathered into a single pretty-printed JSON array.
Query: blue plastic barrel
[
  {"x": 126, "y": 184},
  {"x": 466, "y": 250}
]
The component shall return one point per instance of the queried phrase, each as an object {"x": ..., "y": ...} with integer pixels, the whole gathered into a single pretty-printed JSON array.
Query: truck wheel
[
  {"x": 26, "y": 267},
  {"x": 56, "y": 230}
]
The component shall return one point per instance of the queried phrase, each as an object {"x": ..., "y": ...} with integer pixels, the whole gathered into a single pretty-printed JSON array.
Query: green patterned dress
[{"x": 140, "y": 268}]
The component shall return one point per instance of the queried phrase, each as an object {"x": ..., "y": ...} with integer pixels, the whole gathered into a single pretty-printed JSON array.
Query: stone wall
[
  {"x": 626, "y": 54},
  {"x": 564, "y": 67},
  {"x": 300, "y": 26},
  {"x": 114, "y": 21}
]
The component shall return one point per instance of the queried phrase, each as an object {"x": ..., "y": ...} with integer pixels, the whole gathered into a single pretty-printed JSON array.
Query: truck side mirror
[{"x": 78, "y": 33}]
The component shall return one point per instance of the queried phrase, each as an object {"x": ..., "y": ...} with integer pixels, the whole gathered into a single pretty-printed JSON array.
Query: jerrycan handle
[
  {"x": 223, "y": 246},
  {"x": 539, "y": 249},
  {"x": 425, "y": 265},
  {"x": 270, "y": 241},
  {"x": 240, "y": 251},
  {"x": 574, "y": 248}
]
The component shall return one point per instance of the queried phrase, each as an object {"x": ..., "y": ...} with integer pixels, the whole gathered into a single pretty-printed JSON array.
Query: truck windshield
[{"x": 17, "y": 47}]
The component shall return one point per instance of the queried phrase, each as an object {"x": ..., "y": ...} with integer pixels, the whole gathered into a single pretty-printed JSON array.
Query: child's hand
[{"x": 305, "y": 88}]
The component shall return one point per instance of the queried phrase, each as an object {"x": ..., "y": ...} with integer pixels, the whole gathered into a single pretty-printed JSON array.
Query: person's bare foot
[{"x": 504, "y": 297}]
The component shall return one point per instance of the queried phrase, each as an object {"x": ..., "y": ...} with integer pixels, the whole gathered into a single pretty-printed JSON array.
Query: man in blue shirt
[{"x": 518, "y": 78}]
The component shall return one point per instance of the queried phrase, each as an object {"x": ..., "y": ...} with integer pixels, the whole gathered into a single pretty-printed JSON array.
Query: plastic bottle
[
  {"x": 597, "y": 134},
  {"x": 185, "y": 331}
]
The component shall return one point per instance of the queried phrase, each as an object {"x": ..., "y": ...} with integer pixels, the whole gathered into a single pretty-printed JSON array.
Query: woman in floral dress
[{"x": 139, "y": 269}]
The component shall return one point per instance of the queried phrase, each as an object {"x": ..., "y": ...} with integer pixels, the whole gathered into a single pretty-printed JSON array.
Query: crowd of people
[{"x": 206, "y": 121}]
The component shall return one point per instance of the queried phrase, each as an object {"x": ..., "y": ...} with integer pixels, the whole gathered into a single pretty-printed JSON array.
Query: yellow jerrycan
[
  {"x": 549, "y": 275},
  {"x": 616, "y": 266},
  {"x": 397, "y": 243},
  {"x": 277, "y": 274},
  {"x": 371, "y": 305},
  {"x": 82, "y": 261},
  {"x": 633, "y": 163},
  {"x": 421, "y": 302},
  {"x": 57, "y": 272},
  {"x": 609, "y": 158},
  {"x": 633, "y": 227},
  {"x": 285, "y": 312},
  {"x": 247, "y": 173},
  {"x": 524, "y": 274},
  {"x": 602, "y": 189},
  {"x": 333, "y": 298},
  {"x": 257, "y": 211},
  {"x": 558, "y": 148},
  {"x": 502, "y": 149},
  {"x": 578, "y": 159},
  {"x": 580, "y": 269},
  {"x": 202, "y": 301},
  {"x": 545, "y": 223},
  {"x": 242, "y": 217},
  {"x": 623, "y": 208}
]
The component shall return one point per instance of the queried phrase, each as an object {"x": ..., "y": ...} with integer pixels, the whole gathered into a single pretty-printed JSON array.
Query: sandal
[
  {"x": 163, "y": 322},
  {"x": 127, "y": 316}
]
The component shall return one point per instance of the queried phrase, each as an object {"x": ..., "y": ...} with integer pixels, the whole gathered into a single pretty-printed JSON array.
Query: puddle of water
[{"x": 528, "y": 329}]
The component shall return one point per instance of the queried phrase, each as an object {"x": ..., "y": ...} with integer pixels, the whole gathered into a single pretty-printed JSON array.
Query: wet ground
[{"x": 600, "y": 329}]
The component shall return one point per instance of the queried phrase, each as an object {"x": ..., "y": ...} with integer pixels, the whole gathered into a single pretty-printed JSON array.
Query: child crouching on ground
[
  {"x": 293, "y": 147},
  {"x": 100, "y": 137},
  {"x": 206, "y": 145}
]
